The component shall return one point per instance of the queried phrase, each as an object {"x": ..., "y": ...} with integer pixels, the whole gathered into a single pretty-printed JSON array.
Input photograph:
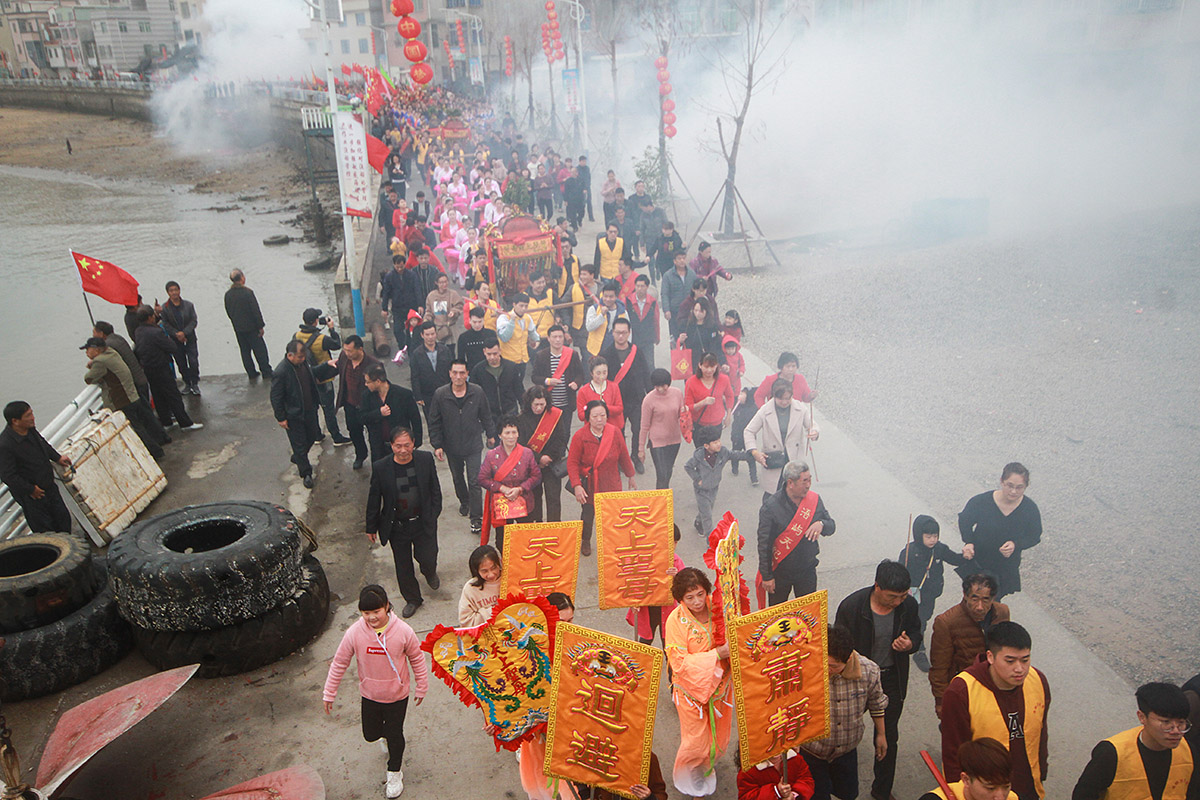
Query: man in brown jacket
[{"x": 958, "y": 634}]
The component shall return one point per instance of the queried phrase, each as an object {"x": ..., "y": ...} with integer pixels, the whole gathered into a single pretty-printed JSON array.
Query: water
[{"x": 154, "y": 231}]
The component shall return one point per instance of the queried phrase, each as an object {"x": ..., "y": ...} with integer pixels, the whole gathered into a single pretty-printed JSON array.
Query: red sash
[
  {"x": 792, "y": 535},
  {"x": 502, "y": 472},
  {"x": 606, "y": 443},
  {"x": 563, "y": 362},
  {"x": 625, "y": 365},
  {"x": 545, "y": 427}
]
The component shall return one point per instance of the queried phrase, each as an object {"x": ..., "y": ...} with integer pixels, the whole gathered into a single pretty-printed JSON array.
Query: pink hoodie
[{"x": 376, "y": 678}]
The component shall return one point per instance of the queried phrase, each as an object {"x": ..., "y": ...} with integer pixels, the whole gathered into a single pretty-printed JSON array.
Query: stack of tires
[
  {"x": 58, "y": 620},
  {"x": 229, "y": 586}
]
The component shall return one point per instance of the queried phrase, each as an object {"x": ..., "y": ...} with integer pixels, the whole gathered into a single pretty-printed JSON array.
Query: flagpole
[
  {"x": 89, "y": 308},
  {"x": 71, "y": 253}
]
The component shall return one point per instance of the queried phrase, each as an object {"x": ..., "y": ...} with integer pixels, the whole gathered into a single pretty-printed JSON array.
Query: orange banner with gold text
[
  {"x": 780, "y": 676},
  {"x": 635, "y": 546},
  {"x": 601, "y": 722},
  {"x": 540, "y": 558}
]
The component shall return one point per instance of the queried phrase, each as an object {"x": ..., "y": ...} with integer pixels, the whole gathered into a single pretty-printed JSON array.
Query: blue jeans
[{"x": 836, "y": 778}]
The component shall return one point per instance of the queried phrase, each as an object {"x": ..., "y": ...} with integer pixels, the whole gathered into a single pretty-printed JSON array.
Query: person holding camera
[{"x": 318, "y": 347}]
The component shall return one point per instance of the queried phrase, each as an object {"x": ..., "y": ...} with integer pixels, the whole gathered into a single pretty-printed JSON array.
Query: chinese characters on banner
[
  {"x": 570, "y": 79},
  {"x": 602, "y": 719},
  {"x": 635, "y": 544},
  {"x": 780, "y": 676},
  {"x": 502, "y": 666},
  {"x": 353, "y": 165},
  {"x": 540, "y": 558},
  {"x": 728, "y": 568}
]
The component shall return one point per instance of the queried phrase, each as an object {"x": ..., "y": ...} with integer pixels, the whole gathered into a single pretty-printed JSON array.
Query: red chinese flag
[
  {"x": 106, "y": 280},
  {"x": 377, "y": 153}
]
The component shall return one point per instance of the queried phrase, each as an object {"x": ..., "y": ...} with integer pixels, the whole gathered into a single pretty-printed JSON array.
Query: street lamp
[{"x": 578, "y": 13}]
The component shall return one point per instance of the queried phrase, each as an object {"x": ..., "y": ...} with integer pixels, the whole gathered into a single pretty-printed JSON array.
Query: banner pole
[{"x": 89, "y": 309}]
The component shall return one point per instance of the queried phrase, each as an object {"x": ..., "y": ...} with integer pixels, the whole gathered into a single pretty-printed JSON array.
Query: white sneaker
[{"x": 395, "y": 784}]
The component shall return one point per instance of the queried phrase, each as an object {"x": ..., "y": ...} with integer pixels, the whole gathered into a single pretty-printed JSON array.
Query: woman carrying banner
[
  {"x": 595, "y": 461},
  {"x": 702, "y": 693},
  {"x": 482, "y": 591},
  {"x": 508, "y": 474},
  {"x": 544, "y": 430}
]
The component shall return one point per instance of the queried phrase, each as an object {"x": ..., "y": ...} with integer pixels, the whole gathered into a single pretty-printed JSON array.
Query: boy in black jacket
[{"x": 925, "y": 557}]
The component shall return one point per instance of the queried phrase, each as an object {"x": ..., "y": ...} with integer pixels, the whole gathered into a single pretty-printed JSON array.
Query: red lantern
[
  {"x": 664, "y": 76},
  {"x": 660, "y": 62},
  {"x": 669, "y": 118},
  {"x": 549, "y": 5},
  {"x": 552, "y": 15},
  {"x": 664, "y": 89},
  {"x": 346, "y": 69},
  {"x": 668, "y": 105},
  {"x": 408, "y": 28},
  {"x": 554, "y": 25},
  {"x": 402, "y": 7},
  {"x": 669, "y": 131},
  {"x": 446, "y": 45},
  {"x": 415, "y": 50},
  {"x": 421, "y": 73}
]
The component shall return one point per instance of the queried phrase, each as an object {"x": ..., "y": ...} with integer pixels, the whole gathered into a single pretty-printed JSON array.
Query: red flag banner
[
  {"x": 377, "y": 153},
  {"x": 106, "y": 280}
]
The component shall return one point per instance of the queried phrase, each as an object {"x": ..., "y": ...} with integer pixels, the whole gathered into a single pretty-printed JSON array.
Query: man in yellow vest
[
  {"x": 600, "y": 318},
  {"x": 582, "y": 295},
  {"x": 1145, "y": 763},
  {"x": 541, "y": 300},
  {"x": 985, "y": 773},
  {"x": 609, "y": 249},
  {"x": 517, "y": 331},
  {"x": 1002, "y": 697}
]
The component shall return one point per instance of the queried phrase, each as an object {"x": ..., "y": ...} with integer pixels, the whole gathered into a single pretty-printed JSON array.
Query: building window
[
  {"x": 171, "y": 4},
  {"x": 363, "y": 47},
  {"x": 360, "y": 19},
  {"x": 122, "y": 27},
  {"x": 185, "y": 11},
  {"x": 345, "y": 46},
  {"x": 104, "y": 27},
  {"x": 188, "y": 36},
  {"x": 144, "y": 27},
  {"x": 197, "y": 37}
]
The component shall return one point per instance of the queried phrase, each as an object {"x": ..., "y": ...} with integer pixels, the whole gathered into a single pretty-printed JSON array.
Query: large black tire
[
  {"x": 206, "y": 567},
  {"x": 43, "y": 578},
  {"x": 82, "y": 644},
  {"x": 248, "y": 645}
]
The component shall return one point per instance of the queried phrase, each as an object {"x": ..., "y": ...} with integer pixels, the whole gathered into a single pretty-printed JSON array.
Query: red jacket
[
  {"x": 581, "y": 456},
  {"x": 611, "y": 398},
  {"x": 800, "y": 390},
  {"x": 759, "y": 784},
  {"x": 694, "y": 391}
]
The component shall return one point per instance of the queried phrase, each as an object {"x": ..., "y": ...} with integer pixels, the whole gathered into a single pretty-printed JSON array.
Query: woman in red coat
[
  {"x": 595, "y": 460},
  {"x": 601, "y": 388},
  {"x": 764, "y": 782},
  {"x": 509, "y": 470},
  {"x": 710, "y": 397}
]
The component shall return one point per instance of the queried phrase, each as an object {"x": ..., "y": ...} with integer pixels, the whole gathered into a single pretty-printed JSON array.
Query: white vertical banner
[
  {"x": 476, "y": 70},
  {"x": 353, "y": 165}
]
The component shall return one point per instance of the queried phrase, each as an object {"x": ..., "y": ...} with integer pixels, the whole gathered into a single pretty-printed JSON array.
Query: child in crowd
[
  {"x": 483, "y": 590},
  {"x": 566, "y": 607},
  {"x": 733, "y": 325},
  {"x": 743, "y": 412},
  {"x": 647, "y": 619},
  {"x": 925, "y": 557},
  {"x": 383, "y": 644},
  {"x": 704, "y": 468},
  {"x": 735, "y": 364}
]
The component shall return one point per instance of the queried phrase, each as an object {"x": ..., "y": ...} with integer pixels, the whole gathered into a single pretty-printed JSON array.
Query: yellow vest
[
  {"x": 516, "y": 349},
  {"x": 1130, "y": 782},
  {"x": 579, "y": 312},
  {"x": 320, "y": 354},
  {"x": 542, "y": 318},
  {"x": 570, "y": 273},
  {"x": 610, "y": 257},
  {"x": 960, "y": 793},
  {"x": 986, "y": 719},
  {"x": 596, "y": 339}
]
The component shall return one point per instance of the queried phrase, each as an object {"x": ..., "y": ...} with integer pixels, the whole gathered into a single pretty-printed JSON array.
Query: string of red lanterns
[
  {"x": 552, "y": 44},
  {"x": 414, "y": 50},
  {"x": 508, "y": 56},
  {"x": 664, "y": 90}
]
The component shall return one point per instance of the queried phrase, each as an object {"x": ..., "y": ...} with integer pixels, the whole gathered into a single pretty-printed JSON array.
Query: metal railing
[
  {"x": 68, "y": 422},
  {"x": 78, "y": 83}
]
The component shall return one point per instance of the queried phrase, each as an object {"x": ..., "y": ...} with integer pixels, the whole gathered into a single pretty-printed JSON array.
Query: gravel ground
[{"x": 1072, "y": 351}]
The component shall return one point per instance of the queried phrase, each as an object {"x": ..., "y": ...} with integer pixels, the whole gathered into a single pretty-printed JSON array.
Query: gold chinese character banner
[
  {"x": 502, "y": 666},
  {"x": 781, "y": 676},
  {"x": 540, "y": 558},
  {"x": 731, "y": 596},
  {"x": 601, "y": 723},
  {"x": 635, "y": 546}
]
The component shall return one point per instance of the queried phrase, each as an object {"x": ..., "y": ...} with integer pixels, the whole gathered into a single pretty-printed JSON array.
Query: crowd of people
[{"x": 554, "y": 389}]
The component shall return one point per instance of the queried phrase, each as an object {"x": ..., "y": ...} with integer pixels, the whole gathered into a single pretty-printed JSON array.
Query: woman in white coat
[{"x": 778, "y": 433}]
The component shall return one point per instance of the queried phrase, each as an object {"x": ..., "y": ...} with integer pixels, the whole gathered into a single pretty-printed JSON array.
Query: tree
[
  {"x": 522, "y": 22},
  {"x": 751, "y": 62},
  {"x": 610, "y": 27},
  {"x": 661, "y": 18}
]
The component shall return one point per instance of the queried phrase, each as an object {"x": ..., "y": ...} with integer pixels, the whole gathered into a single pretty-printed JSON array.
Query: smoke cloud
[{"x": 246, "y": 42}]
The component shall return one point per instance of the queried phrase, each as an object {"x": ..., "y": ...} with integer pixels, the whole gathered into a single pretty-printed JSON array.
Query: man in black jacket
[
  {"x": 886, "y": 626},
  {"x": 241, "y": 306},
  {"x": 25, "y": 459},
  {"x": 561, "y": 389},
  {"x": 429, "y": 366},
  {"x": 179, "y": 319},
  {"x": 295, "y": 401},
  {"x": 628, "y": 366},
  {"x": 156, "y": 350},
  {"x": 398, "y": 296},
  {"x": 386, "y": 407},
  {"x": 403, "y": 505},
  {"x": 353, "y": 367},
  {"x": 458, "y": 417},
  {"x": 500, "y": 381},
  {"x": 787, "y": 539}
]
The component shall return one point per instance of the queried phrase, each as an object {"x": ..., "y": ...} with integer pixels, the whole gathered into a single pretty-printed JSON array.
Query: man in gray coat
[
  {"x": 107, "y": 370},
  {"x": 179, "y": 320}
]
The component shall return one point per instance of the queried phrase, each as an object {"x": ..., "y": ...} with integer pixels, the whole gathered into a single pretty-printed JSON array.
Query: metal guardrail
[
  {"x": 68, "y": 422},
  {"x": 274, "y": 90}
]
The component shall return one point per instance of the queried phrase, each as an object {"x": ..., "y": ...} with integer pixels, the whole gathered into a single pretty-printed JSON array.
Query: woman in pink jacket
[{"x": 386, "y": 649}]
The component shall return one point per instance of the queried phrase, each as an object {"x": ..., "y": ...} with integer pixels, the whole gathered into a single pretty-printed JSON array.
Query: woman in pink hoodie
[{"x": 386, "y": 649}]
